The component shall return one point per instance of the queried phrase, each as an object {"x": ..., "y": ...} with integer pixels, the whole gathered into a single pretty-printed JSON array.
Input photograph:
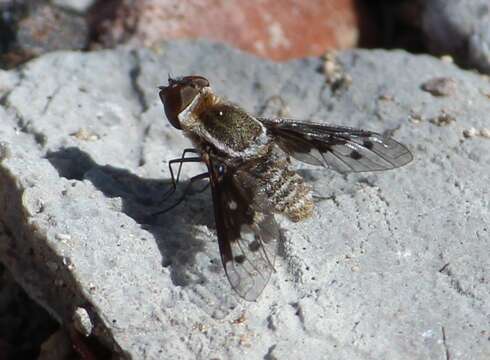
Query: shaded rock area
[
  {"x": 460, "y": 28},
  {"x": 392, "y": 265},
  {"x": 24, "y": 325}
]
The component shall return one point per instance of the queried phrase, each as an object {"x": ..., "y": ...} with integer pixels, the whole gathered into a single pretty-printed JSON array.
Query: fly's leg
[
  {"x": 186, "y": 191},
  {"x": 180, "y": 161}
]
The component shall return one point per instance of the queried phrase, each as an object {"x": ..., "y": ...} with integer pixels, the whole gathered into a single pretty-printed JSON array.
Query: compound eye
[
  {"x": 172, "y": 103},
  {"x": 199, "y": 81},
  {"x": 179, "y": 94},
  {"x": 187, "y": 94}
]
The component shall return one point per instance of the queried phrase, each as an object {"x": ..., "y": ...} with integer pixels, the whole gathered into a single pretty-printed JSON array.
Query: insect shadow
[{"x": 174, "y": 231}]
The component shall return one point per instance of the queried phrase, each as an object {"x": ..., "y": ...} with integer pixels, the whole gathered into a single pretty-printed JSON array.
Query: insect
[{"x": 249, "y": 169}]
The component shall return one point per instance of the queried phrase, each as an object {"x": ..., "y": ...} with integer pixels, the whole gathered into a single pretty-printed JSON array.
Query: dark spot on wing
[
  {"x": 254, "y": 246},
  {"x": 368, "y": 144},
  {"x": 355, "y": 155},
  {"x": 240, "y": 259}
]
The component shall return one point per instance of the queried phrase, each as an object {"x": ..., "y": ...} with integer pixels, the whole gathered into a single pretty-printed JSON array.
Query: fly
[{"x": 249, "y": 169}]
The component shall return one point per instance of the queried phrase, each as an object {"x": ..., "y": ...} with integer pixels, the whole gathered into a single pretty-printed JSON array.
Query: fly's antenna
[{"x": 170, "y": 79}]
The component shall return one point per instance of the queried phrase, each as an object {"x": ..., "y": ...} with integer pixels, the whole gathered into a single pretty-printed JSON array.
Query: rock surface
[{"x": 393, "y": 265}]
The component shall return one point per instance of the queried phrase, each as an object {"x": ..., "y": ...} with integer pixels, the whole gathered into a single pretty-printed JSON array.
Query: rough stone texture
[
  {"x": 460, "y": 28},
  {"x": 392, "y": 265}
]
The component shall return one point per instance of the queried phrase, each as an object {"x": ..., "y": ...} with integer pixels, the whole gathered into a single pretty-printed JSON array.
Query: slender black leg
[
  {"x": 180, "y": 161},
  {"x": 188, "y": 187}
]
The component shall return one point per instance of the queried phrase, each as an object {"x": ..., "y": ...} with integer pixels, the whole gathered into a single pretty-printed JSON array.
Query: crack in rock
[{"x": 455, "y": 284}]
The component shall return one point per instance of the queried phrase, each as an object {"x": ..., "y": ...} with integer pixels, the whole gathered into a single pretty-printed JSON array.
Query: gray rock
[
  {"x": 80, "y": 6},
  {"x": 479, "y": 46},
  {"x": 460, "y": 28},
  {"x": 48, "y": 28},
  {"x": 393, "y": 265},
  {"x": 31, "y": 28}
]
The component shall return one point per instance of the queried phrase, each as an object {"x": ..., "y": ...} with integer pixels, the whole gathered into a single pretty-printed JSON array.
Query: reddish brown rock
[{"x": 277, "y": 30}]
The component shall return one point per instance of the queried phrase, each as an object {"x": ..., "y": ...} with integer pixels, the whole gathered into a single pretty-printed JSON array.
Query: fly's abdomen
[{"x": 284, "y": 189}]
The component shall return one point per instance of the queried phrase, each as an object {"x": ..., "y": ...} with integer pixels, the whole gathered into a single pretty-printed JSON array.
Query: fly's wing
[
  {"x": 341, "y": 148},
  {"x": 247, "y": 231}
]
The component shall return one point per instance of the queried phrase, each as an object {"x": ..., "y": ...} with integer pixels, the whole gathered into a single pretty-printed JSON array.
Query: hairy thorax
[{"x": 229, "y": 129}]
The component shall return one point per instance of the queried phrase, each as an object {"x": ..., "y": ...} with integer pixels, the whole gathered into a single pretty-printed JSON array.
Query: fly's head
[{"x": 179, "y": 94}]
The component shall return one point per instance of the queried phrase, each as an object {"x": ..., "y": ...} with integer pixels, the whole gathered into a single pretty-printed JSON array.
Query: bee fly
[{"x": 248, "y": 166}]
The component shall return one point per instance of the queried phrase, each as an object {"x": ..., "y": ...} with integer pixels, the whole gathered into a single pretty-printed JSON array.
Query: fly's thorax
[{"x": 227, "y": 127}]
